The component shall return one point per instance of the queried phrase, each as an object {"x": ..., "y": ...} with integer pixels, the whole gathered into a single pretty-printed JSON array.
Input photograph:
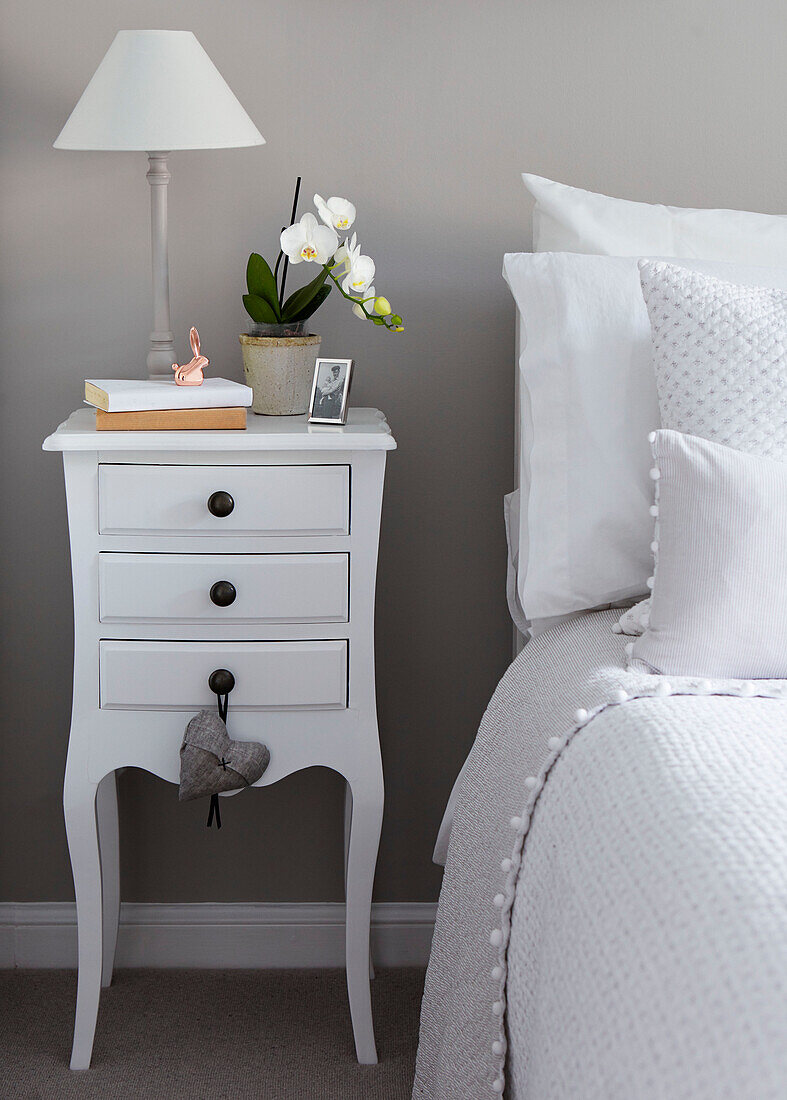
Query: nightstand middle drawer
[{"x": 223, "y": 588}]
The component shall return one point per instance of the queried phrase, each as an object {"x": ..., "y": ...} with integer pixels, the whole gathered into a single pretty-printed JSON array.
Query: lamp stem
[{"x": 162, "y": 345}]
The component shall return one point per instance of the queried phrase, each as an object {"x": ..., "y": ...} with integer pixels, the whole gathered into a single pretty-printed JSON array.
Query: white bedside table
[{"x": 289, "y": 514}]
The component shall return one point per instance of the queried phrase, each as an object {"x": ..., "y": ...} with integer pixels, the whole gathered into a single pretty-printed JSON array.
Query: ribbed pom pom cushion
[{"x": 719, "y": 589}]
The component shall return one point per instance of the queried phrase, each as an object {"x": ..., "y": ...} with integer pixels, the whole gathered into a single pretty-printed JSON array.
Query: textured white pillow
[
  {"x": 588, "y": 403},
  {"x": 719, "y": 602},
  {"x": 568, "y": 219},
  {"x": 720, "y": 357}
]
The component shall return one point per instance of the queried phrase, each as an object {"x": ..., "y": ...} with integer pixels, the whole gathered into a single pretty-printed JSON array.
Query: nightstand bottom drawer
[{"x": 268, "y": 675}]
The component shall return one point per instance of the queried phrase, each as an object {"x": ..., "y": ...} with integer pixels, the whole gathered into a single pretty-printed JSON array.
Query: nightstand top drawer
[
  {"x": 268, "y": 675},
  {"x": 223, "y": 588},
  {"x": 217, "y": 500}
]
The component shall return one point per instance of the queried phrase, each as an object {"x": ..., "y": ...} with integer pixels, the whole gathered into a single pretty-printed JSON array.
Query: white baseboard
[{"x": 212, "y": 936}]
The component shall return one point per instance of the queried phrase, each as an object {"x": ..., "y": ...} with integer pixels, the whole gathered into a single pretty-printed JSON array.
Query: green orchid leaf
[
  {"x": 259, "y": 310},
  {"x": 301, "y": 298},
  {"x": 261, "y": 283},
  {"x": 312, "y": 306}
]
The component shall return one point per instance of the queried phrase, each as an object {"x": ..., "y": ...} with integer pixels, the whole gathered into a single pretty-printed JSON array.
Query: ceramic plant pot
[{"x": 279, "y": 369}]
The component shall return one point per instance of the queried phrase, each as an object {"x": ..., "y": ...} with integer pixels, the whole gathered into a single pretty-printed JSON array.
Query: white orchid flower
[
  {"x": 357, "y": 308},
  {"x": 360, "y": 272},
  {"x": 310, "y": 241},
  {"x": 342, "y": 255},
  {"x": 337, "y": 213},
  {"x": 360, "y": 275}
]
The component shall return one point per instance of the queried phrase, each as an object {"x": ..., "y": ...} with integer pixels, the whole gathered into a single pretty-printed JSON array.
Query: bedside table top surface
[{"x": 365, "y": 430}]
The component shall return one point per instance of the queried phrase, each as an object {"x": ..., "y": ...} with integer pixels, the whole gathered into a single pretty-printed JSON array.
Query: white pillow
[
  {"x": 719, "y": 602},
  {"x": 720, "y": 358},
  {"x": 568, "y": 219},
  {"x": 589, "y": 401},
  {"x": 513, "y": 528}
]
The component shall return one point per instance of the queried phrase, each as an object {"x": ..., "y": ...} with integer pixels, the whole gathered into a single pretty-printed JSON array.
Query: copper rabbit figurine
[{"x": 190, "y": 374}]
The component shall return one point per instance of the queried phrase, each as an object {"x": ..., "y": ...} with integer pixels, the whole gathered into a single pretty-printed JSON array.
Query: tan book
[{"x": 171, "y": 420}]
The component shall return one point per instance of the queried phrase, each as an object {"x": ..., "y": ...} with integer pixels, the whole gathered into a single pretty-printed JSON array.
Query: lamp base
[
  {"x": 161, "y": 355},
  {"x": 162, "y": 345}
]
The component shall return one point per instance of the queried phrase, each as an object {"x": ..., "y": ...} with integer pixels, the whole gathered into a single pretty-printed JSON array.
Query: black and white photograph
[{"x": 330, "y": 390}]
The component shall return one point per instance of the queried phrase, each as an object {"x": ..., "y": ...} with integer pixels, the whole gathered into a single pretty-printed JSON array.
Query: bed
[
  {"x": 613, "y": 917},
  {"x": 650, "y": 962}
]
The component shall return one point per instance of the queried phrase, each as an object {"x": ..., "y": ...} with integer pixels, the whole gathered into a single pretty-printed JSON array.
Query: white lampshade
[{"x": 157, "y": 90}]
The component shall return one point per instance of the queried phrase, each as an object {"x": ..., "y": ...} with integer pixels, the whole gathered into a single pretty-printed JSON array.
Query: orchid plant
[{"x": 343, "y": 266}]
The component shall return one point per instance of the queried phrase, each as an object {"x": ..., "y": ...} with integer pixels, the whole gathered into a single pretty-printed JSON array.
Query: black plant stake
[
  {"x": 279, "y": 259},
  {"x": 292, "y": 222}
]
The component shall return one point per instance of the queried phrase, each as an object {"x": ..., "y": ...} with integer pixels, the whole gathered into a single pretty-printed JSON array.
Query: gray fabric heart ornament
[{"x": 211, "y": 762}]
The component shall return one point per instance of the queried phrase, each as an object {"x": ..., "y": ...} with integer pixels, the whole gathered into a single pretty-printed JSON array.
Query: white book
[{"x": 142, "y": 394}]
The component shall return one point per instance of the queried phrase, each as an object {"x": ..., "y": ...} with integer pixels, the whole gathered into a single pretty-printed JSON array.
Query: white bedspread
[{"x": 642, "y": 923}]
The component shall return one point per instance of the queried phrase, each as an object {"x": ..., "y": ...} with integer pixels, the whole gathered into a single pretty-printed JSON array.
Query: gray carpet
[{"x": 212, "y": 1034}]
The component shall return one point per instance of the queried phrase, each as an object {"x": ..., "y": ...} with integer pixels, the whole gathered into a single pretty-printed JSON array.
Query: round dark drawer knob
[
  {"x": 220, "y": 504},
  {"x": 221, "y": 682},
  {"x": 223, "y": 593}
]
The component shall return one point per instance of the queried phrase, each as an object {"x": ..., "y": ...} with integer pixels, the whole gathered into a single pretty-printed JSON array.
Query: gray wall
[{"x": 424, "y": 114}]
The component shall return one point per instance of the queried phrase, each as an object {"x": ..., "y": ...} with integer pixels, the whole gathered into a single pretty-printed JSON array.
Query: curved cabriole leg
[
  {"x": 366, "y": 815},
  {"x": 348, "y": 809},
  {"x": 109, "y": 847},
  {"x": 79, "y": 804}
]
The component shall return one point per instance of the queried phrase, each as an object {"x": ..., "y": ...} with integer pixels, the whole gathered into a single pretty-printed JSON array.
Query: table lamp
[{"x": 155, "y": 92}]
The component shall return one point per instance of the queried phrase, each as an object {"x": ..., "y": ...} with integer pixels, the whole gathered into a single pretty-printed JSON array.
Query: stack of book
[{"x": 159, "y": 405}]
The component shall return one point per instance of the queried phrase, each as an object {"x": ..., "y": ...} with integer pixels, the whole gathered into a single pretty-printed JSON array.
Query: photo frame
[{"x": 330, "y": 391}]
